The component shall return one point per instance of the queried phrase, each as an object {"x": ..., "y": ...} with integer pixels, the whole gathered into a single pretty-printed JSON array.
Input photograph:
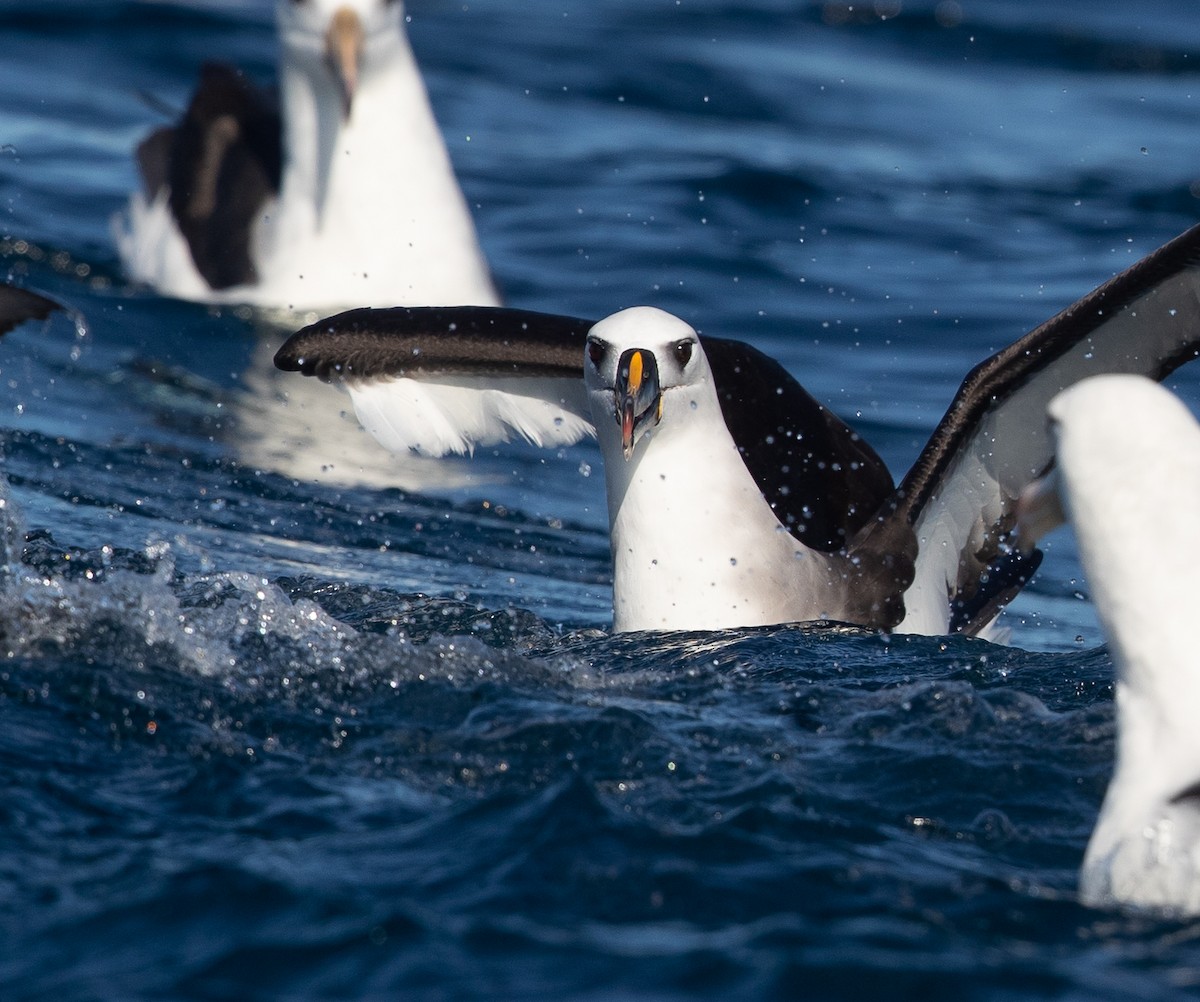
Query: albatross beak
[
  {"x": 343, "y": 52},
  {"x": 638, "y": 396},
  {"x": 1039, "y": 510}
]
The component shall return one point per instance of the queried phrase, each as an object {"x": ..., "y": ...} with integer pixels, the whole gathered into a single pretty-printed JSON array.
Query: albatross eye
[
  {"x": 683, "y": 351},
  {"x": 595, "y": 351}
]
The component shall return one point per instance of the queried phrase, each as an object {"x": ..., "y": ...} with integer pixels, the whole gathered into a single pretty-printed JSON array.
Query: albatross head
[
  {"x": 636, "y": 361},
  {"x": 335, "y": 37}
]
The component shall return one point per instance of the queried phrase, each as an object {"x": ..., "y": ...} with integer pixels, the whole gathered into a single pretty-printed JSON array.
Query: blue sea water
[{"x": 265, "y": 735}]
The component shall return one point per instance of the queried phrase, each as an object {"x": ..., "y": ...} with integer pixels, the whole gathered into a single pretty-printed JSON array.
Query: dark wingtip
[
  {"x": 324, "y": 348},
  {"x": 18, "y": 305}
]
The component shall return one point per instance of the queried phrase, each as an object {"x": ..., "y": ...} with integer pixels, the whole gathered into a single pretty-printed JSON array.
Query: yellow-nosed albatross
[
  {"x": 1127, "y": 478},
  {"x": 340, "y": 194},
  {"x": 735, "y": 499}
]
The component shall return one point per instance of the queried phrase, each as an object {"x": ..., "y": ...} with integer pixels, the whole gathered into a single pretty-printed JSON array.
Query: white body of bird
[
  {"x": 1128, "y": 479},
  {"x": 369, "y": 210}
]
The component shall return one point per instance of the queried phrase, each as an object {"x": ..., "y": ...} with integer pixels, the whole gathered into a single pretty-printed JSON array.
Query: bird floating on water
[
  {"x": 339, "y": 192},
  {"x": 1127, "y": 478},
  {"x": 736, "y": 499}
]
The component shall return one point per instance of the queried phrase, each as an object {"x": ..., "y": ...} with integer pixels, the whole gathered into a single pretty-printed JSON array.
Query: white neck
[
  {"x": 369, "y": 212},
  {"x": 695, "y": 545}
]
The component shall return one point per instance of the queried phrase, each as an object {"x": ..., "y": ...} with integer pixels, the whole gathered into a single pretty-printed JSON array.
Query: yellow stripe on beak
[
  {"x": 637, "y": 396},
  {"x": 635, "y": 372}
]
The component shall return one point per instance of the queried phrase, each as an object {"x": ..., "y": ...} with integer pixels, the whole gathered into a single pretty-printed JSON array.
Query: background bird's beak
[
  {"x": 1039, "y": 510},
  {"x": 638, "y": 396},
  {"x": 343, "y": 53}
]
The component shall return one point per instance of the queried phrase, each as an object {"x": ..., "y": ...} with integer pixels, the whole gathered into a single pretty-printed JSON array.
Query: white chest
[{"x": 694, "y": 544}]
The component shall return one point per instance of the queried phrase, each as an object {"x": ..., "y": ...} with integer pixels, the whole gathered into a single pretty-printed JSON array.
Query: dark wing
[
  {"x": 960, "y": 494},
  {"x": 19, "y": 305},
  {"x": 479, "y": 341},
  {"x": 221, "y": 163},
  {"x": 819, "y": 476}
]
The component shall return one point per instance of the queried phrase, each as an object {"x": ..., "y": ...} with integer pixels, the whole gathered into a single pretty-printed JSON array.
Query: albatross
[
  {"x": 1127, "y": 478},
  {"x": 735, "y": 498},
  {"x": 339, "y": 192}
]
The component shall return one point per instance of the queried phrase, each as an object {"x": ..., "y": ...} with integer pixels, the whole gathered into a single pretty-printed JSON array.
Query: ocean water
[{"x": 284, "y": 717}]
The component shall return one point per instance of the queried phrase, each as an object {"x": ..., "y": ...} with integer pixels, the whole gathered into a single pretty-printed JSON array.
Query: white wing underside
[
  {"x": 438, "y": 417},
  {"x": 955, "y": 518}
]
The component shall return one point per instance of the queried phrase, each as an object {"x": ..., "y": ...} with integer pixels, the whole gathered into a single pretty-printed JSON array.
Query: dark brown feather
[
  {"x": 220, "y": 163},
  {"x": 19, "y": 305},
  {"x": 366, "y": 344},
  {"x": 823, "y": 481}
]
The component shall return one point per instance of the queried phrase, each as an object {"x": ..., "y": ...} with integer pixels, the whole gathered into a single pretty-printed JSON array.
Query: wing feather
[
  {"x": 219, "y": 165},
  {"x": 441, "y": 380},
  {"x": 960, "y": 494}
]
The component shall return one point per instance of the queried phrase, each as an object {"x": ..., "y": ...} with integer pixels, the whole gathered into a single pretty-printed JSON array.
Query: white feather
[
  {"x": 952, "y": 520},
  {"x": 153, "y": 250},
  {"x": 453, "y": 416}
]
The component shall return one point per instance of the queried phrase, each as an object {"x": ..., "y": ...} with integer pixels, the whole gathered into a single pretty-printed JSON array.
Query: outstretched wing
[
  {"x": 19, "y": 305},
  {"x": 444, "y": 379},
  {"x": 961, "y": 493},
  {"x": 447, "y": 379},
  {"x": 220, "y": 164}
]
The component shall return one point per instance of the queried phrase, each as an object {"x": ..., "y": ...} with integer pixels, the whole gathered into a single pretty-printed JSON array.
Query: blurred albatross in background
[{"x": 339, "y": 193}]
